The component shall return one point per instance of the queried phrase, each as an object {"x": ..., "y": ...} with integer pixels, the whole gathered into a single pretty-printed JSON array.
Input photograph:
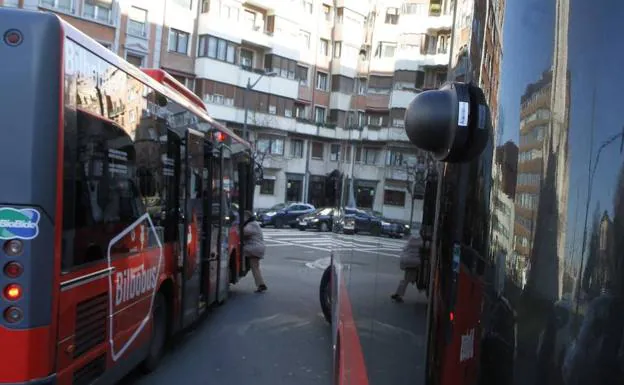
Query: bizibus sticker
[{"x": 19, "y": 223}]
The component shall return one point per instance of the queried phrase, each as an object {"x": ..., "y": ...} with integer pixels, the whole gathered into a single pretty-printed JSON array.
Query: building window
[
  {"x": 394, "y": 158},
  {"x": 324, "y": 47},
  {"x": 134, "y": 59},
  {"x": 361, "y": 118},
  {"x": 62, "y": 5},
  {"x": 273, "y": 146},
  {"x": 392, "y": 16},
  {"x": 280, "y": 65},
  {"x": 394, "y": 198},
  {"x": 370, "y": 156},
  {"x": 375, "y": 120},
  {"x": 317, "y": 150},
  {"x": 304, "y": 39},
  {"x": 184, "y": 3},
  {"x": 339, "y": 14},
  {"x": 11, "y": 3},
  {"x": 413, "y": 9},
  {"x": 216, "y": 48},
  {"x": 361, "y": 86},
  {"x": 307, "y": 6},
  {"x": 301, "y": 111},
  {"x": 178, "y": 41},
  {"x": 398, "y": 123},
  {"x": 246, "y": 59},
  {"x": 205, "y": 8},
  {"x": 97, "y": 10},
  {"x": 302, "y": 75},
  {"x": 267, "y": 187},
  {"x": 321, "y": 81},
  {"x": 137, "y": 21},
  {"x": 229, "y": 12},
  {"x": 334, "y": 152},
  {"x": 385, "y": 50},
  {"x": 337, "y": 49},
  {"x": 296, "y": 148},
  {"x": 319, "y": 114},
  {"x": 327, "y": 12}
]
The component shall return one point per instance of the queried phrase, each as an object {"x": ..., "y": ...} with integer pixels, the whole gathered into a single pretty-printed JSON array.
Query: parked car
[
  {"x": 259, "y": 212},
  {"x": 360, "y": 221},
  {"x": 394, "y": 228},
  {"x": 320, "y": 219},
  {"x": 285, "y": 216}
]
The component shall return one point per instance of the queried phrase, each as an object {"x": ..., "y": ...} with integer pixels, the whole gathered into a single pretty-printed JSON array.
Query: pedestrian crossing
[{"x": 333, "y": 242}]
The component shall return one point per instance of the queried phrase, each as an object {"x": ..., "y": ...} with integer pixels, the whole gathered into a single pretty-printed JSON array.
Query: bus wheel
[
  {"x": 325, "y": 294},
  {"x": 159, "y": 334}
]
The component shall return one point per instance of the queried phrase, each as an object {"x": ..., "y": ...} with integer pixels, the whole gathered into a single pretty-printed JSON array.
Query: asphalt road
[{"x": 280, "y": 337}]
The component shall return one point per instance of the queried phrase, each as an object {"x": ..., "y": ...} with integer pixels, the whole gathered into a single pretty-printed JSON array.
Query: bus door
[
  {"x": 191, "y": 220},
  {"x": 245, "y": 191},
  {"x": 211, "y": 223}
]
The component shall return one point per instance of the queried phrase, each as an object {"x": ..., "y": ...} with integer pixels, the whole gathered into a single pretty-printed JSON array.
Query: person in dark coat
[{"x": 254, "y": 248}]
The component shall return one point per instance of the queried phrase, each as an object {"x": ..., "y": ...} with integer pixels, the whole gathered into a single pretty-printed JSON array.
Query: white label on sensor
[{"x": 462, "y": 116}]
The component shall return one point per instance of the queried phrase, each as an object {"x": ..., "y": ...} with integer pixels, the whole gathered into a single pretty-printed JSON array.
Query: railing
[
  {"x": 67, "y": 8},
  {"x": 136, "y": 28}
]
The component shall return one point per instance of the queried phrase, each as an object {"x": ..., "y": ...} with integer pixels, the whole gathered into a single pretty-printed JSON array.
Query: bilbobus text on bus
[{"x": 118, "y": 218}]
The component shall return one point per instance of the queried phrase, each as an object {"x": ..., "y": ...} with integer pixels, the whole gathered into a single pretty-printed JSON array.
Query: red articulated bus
[{"x": 117, "y": 218}]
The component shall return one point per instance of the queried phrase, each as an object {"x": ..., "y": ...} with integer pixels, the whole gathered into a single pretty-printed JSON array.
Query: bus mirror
[{"x": 453, "y": 123}]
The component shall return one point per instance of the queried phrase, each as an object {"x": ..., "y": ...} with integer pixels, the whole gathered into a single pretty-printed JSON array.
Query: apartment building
[
  {"x": 321, "y": 84},
  {"x": 326, "y": 84}
]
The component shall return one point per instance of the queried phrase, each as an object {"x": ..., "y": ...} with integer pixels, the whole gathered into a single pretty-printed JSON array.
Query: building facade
[{"x": 321, "y": 84}]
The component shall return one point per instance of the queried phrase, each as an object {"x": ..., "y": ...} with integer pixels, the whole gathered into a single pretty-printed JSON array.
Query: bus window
[{"x": 100, "y": 162}]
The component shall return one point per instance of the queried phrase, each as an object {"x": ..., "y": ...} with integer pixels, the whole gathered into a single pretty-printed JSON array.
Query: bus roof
[
  {"x": 170, "y": 88},
  {"x": 163, "y": 77}
]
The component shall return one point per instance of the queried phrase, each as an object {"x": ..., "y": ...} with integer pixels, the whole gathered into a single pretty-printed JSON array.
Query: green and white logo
[{"x": 19, "y": 223}]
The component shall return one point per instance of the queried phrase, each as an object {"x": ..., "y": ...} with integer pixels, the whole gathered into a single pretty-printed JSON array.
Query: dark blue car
[{"x": 286, "y": 216}]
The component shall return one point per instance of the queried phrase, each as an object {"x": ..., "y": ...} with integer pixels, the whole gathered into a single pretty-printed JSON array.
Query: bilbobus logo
[{"x": 134, "y": 282}]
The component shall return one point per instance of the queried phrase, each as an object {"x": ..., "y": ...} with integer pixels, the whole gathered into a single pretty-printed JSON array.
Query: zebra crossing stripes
[{"x": 327, "y": 242}]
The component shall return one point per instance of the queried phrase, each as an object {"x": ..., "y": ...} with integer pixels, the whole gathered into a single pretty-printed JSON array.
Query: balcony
[
  {"x": 256, "y": 34},
  {"x": 224, "y": 72},
  {"x": 98, "y": 13},
  {"x": 340, "y": 101},
  {"x": 401, "y": 98},
  {"x": 60, "y": 6},
  {"x": 435, "y": 58},
  {"x": 439, "y": 23},
  {"x": 395, "y": 173},
  {"x": 377, "y": 101}
]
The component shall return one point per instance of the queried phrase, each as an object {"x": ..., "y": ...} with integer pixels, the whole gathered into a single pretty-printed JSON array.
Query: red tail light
[
  {"x": 13, "y": 292},
  {"x": 13, "y": 269}
]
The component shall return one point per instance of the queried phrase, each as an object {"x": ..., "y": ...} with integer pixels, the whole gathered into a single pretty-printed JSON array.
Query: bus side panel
[
  {"x": 29, "y": 127},
  {"x": 116, "y": 221}
]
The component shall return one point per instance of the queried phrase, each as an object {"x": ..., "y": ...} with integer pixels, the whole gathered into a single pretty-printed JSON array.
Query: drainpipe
[{"x": 306, "y": 177}]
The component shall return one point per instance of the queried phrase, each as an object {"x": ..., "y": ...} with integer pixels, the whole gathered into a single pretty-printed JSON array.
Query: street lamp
[
  {"x": 249, "y": 87},
  {"x": 363, "y": 55}
]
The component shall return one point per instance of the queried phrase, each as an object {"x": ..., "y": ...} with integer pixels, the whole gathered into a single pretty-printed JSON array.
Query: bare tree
[{"x": 415, "y": 182}]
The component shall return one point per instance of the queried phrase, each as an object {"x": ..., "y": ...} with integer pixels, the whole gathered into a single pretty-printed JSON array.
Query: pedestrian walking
[
  {"x": 253, "y": 248},
  {"x": 410, "y": 263}
]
